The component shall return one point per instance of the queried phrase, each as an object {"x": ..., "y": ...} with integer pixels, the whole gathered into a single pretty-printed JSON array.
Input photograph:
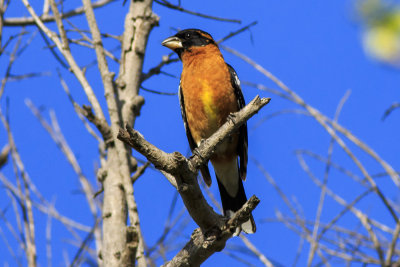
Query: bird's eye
[{"x": 188, "y": 35}]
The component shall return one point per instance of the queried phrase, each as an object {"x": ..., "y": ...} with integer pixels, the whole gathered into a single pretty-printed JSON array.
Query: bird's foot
[
  {"x": 197, "y": 152},
  {"x": 231, "y": 117}
]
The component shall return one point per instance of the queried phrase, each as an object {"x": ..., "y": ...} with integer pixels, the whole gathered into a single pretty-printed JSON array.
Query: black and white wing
[{"x": 243, "y": 139}]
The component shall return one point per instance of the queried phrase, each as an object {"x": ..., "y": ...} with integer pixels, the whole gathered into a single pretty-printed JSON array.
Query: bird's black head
[{"x": 186, "y": 39}]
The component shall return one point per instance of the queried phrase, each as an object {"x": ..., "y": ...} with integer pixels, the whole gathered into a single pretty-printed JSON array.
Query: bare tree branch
[
  {"x": 390, "y": 110},
  {"x": 253, "y": 249},
  {"x": 87, "y": 112},
  {"x": 325, "y": 182},
  {"x": 234, "y": 33},
  {"x": 364, "y": 219},
  {"x": 49, "y": 254},
  {"x": 4, "y": 155},
  {"x": 58, "y": 137},
  {"x": 22, "y": 21},
  {"x": 392, "y": 246},
  {"x": 62, "y": 46},
  {"x": 26, "y": 203},
  {"x": 46, "y": 209},
  {"x": 123, "y": 106},
  {"x": 185, "y": 175},
  {"x": 13, "y": 57},
  {"x": 2, "y": 10},
  {"x": 139, "y": 172},
  {"x": 180, "y": 8},
  {"x": 323, "y": 120},
  {"x": 202, "y": 245}
]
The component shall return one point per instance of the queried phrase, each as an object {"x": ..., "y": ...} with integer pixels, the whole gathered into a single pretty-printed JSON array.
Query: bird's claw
[
  {"x": 197, "y": 152},
  {"x": 231, "y": 117}
]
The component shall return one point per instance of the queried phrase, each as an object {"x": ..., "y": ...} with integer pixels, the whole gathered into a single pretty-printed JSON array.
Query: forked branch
[{"x": 214, "y": 230}]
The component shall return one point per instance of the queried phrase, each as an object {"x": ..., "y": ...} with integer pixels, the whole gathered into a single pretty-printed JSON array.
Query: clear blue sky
[{"x": 314, "y": 47}]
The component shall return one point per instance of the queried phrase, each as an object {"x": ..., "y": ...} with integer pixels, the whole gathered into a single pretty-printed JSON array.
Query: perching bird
[{"x": 209, "y": 91}]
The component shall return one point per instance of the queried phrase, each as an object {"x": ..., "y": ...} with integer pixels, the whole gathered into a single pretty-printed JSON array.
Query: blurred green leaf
[{"x": 381, "y": 37}]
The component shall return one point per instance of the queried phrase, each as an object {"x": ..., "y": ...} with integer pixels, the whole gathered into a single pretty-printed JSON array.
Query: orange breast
[{"x": 208, "y": 94}]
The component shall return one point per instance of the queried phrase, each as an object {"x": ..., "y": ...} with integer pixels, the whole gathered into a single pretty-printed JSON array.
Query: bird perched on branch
[{"x": 209, "y": 91}]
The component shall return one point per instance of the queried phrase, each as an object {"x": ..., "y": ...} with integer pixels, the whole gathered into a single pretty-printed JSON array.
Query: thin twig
[
  {"x": 392, "y": 246},
  {"x": 26, "y": 203},
  {"x": 46, "y": 209},
  {"x": 324, "y": 183},
  {"x": 179, "y": 8},
  {"x": 22, "y": 21},
  {"x": 331, "y": 126},
  {"x": 70, "y": 59},
  {"x": 85, "y": 243},
  {"x": 78, "y": 109},
  {"x": 4, "y": 155},
  {"x": 57, "y": 136},
  {"x": 48, "y": 241},
  {"x": 139, "y": 172},
  {"x": 363, "y": 218},
  {"x": 232, "y": 34},
  {"x": 13, "y": 56},
  {"x": 390, "y": 110},
  {"x": 256, "y": 252},
  {"x": 323, "y": 120},
  {"x": 157, "y": 92}
]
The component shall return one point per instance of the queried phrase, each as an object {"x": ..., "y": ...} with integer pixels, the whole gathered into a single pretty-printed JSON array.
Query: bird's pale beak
[{"x": 172, "y": 43}]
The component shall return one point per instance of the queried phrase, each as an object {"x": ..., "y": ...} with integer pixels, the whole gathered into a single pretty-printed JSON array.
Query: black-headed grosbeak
[{"x": 209, "y": 91}]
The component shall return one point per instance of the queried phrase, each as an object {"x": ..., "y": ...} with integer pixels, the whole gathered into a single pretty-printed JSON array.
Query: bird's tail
[{"x": 231, "y": 201}]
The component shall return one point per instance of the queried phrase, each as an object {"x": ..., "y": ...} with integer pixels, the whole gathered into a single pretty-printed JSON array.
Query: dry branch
[
  {"x": 180, "y": 8},
  {"x": 23, "y": 21},
  {"x": 4, "y": 155},
  {"x": 202, "y": 245},
  {"x": 331, "y": 128},
  {"x": 63, "y": 48},
  {"x": 24, "y": 188},
  {"x": 325, "y": 182},
  {"x": 214, "y": 229},
  {"x": 123, "y": 106}
]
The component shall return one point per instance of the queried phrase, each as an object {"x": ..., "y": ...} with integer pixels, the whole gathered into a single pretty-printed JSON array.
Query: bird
[{"x": 209, "y": 91}]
